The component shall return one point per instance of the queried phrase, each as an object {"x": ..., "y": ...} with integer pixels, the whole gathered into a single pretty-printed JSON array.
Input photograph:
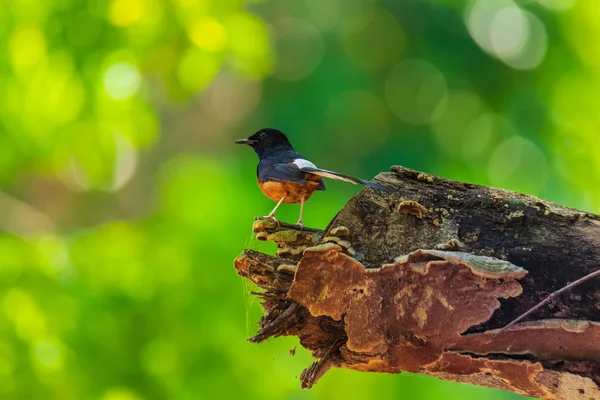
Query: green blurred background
[{"x": 123, "y": 200}]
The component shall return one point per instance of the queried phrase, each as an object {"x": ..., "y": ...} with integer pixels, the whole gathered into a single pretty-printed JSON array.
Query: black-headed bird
[{"x": 286, "y": 176}]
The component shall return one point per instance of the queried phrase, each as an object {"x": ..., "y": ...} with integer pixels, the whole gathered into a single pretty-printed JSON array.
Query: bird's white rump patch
[
  {"x": 302, "y": 163},
  {"x": 307, "y": 166}
]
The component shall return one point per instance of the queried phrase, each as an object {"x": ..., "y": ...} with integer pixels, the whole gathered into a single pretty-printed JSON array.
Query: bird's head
[{"x": 265, "y": 140}]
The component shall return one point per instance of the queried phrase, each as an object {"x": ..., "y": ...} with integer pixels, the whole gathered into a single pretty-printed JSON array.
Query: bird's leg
[
  {"x": 301, "y": 209},
  {"x": 272, "y": 213}
]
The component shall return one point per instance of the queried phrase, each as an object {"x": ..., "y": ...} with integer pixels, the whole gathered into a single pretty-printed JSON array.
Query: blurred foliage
[{"x": 124, "y": 202}]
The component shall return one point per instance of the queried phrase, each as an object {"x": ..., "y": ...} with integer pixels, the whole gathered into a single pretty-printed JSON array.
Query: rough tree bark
[{"x": 422, "y": 277}]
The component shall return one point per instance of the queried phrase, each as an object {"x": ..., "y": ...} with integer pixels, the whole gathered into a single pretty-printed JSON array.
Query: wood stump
[{"x": 421, "y": 277}]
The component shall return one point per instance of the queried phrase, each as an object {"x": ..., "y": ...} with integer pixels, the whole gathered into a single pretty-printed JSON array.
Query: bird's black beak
[{"x": 245, "y": 141}]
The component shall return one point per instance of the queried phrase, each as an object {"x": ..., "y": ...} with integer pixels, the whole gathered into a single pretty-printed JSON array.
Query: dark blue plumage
[{"x": 283, "y": 169}]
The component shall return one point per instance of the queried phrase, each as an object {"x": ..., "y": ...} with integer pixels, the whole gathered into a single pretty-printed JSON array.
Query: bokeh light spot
[
  {"x": 54, "y": 252},
  {"x": 48, "y": 355},
  {"x": 507, "y": 32},
  {"x": 583, "y": 23},
  {"x": 197, "y": 68},
  {"x": 23, "y": 311},
  {"x": 27, "y": 47},
  {"x": 208, "y": 34},
  {"x": 518, "y": 164},
  {"x": 416, "y": 91},
  {"x": 249, "y": 43},
  {"x": 122, "y": 80},
  {"x": 126, "y": 12},
  {"x": 462, "y": 108},
  {"x": 479, "y": 16},
  {"x": 63, "y": 99},
  {"x": 534, "y": 50},
  {"x": 482, "y": 133}
]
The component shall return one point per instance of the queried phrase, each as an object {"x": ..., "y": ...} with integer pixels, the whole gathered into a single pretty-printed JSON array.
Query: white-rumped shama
[{"x": 286, "y": 176}]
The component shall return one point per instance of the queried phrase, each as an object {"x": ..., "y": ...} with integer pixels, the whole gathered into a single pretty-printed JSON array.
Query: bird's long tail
[{"x": 341, "y": 177}]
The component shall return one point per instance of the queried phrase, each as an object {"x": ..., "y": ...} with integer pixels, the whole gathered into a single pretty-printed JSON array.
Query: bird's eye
[{"x": 262, "y": 136}]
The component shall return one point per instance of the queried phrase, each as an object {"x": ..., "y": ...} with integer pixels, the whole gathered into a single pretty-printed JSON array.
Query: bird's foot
[
  {"x": 299, "y": 224},
  {"x": 271, "y": 217}
]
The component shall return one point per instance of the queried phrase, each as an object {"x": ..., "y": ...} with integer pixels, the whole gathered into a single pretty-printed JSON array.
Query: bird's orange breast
[{"x": 291, "y": 192}]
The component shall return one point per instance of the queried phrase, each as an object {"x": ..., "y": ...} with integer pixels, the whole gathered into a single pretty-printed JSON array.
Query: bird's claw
[
  {"x": 271, "y": 217},
  {"x": 299, "y": 224}
]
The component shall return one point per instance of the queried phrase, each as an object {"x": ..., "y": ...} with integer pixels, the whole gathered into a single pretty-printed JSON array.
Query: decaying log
[{"x": 420, "y": 278}]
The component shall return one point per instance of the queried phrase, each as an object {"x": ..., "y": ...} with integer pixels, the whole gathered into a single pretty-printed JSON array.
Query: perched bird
[{"x": 286, "y": 176}]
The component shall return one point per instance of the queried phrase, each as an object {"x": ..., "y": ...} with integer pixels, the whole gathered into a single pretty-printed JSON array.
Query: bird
[{"x": 285, "y": 176}]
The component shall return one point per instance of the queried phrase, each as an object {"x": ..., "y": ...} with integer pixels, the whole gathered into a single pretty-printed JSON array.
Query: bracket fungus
[{"x": 382, "y": 293}]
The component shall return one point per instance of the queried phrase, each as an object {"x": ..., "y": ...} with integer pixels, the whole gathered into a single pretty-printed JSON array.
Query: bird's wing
[
  {"x": 287, "y": 172},
  {"x": 281, "y": 172}
]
